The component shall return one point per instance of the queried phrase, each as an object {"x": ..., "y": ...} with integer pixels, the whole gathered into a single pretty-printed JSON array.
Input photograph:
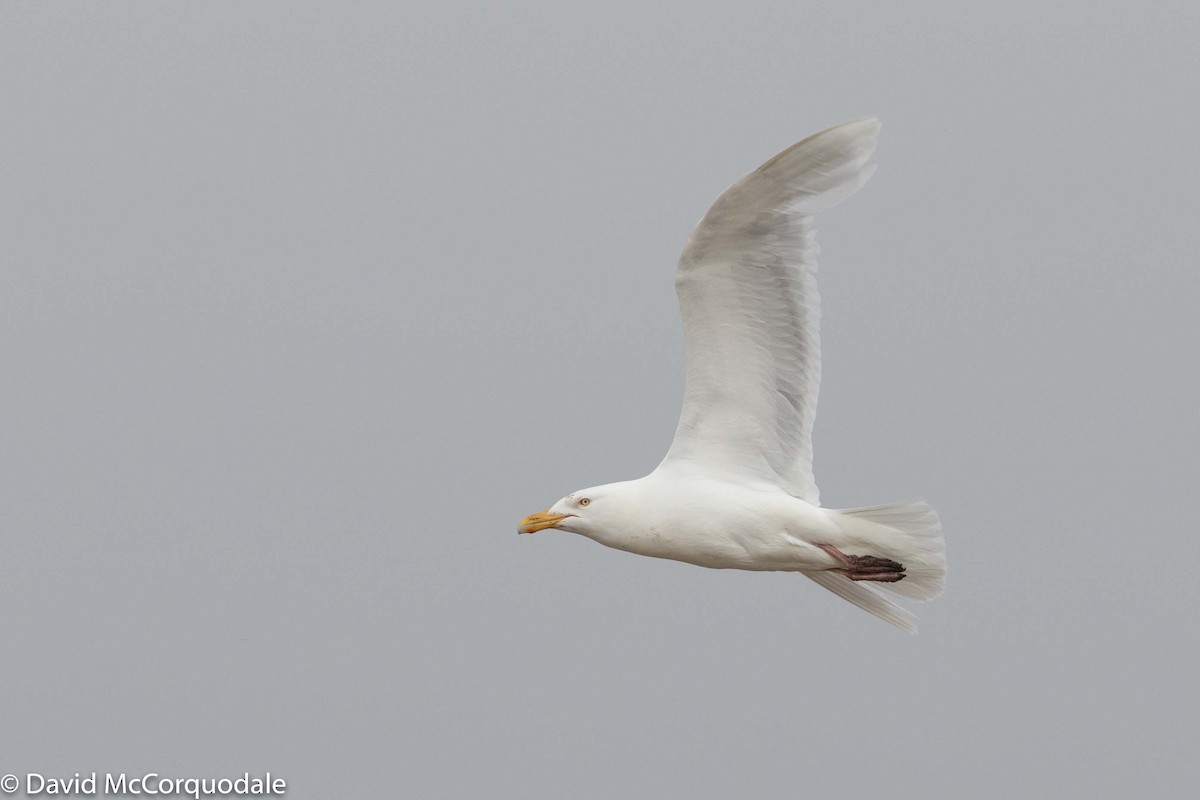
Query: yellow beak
[{"x": 540, "y": 520}]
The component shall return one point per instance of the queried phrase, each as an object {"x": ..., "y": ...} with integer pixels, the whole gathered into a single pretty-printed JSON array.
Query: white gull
[{"x": 736, "y": 488}]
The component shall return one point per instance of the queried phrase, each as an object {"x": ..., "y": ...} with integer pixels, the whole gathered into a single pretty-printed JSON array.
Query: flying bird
[{"x": 736, "y": 488}]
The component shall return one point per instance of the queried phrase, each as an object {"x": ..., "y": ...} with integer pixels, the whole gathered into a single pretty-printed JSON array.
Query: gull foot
[{"x": 866, "y": 568}]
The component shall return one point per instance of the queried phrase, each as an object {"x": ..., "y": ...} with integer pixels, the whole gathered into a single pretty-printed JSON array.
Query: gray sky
[{"x": 303, "y": 306}]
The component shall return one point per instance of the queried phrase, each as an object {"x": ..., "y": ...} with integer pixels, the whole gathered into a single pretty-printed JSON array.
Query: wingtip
[
  {"x": 871, "y": 121},
  {"x": 824, "y": 169},
  {"x": 863, "y": 128},
  {"x": 859, "y": 126},
  {"x": 866, "y": 598}
]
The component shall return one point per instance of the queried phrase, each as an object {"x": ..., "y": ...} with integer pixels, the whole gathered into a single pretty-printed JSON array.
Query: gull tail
[{"x": 908, "y": 532}]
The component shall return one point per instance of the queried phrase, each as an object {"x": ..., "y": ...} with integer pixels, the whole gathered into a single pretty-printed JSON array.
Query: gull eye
[{"x": 583, "y": 501}]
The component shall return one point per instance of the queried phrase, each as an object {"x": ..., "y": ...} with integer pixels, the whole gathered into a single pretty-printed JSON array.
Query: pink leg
[{"x": 866, "y": 568}]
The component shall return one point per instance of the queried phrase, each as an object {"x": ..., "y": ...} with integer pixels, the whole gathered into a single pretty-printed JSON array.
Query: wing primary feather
[{"x": 865, "y": 598}]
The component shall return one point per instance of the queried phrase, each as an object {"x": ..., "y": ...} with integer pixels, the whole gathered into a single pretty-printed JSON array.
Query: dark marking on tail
[
  {"x": 866, "y": 568},
  {"x": 873, "y": 568},
  {"x": 874, "y": 563}
]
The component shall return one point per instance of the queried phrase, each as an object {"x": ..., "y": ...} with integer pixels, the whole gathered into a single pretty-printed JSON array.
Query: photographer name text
[{"x": 150, "y": 784}]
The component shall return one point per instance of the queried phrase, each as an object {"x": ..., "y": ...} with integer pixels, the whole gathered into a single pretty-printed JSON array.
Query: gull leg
[{"x": 866, "y": 568}]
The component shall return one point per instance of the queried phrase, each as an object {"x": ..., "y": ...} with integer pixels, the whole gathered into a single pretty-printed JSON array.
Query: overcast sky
[{"x": 304, "y": 305}]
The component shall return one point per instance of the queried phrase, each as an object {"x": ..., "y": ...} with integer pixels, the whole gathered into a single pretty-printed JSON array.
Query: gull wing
[{"x": 751, "y": 313}]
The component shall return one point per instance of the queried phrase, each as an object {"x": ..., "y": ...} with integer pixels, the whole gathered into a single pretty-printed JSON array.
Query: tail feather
[{"x": 908, "y": 532}]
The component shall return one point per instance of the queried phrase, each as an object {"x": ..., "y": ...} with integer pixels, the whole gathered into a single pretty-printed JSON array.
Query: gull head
[{"x": 590, "y": 512}]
